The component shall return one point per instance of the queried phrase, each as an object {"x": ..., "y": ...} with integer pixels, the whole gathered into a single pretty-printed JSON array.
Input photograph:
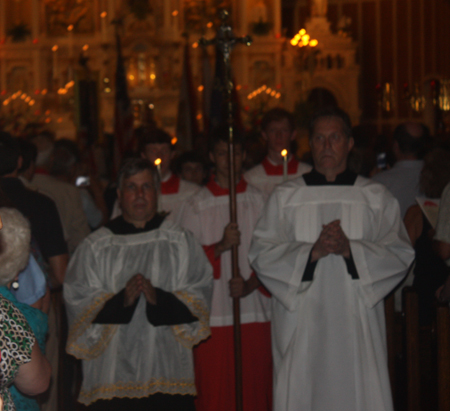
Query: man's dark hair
[
  {"x": 222, "y": 134},
  {"x": 328, "y": 112},
  {"x": 63, "y": 161},
  {"x": 9, "y": 153},
  {"x": 133, "y": 166},
  {"x": 189, "y": 157},
  {"x": 69, "y": 145},
  {"x": 150, "y": 135},
  {"x": 28, "y": 151},
  {"x": 277, "y": 114},
  {"x": 407, "y": 143}
]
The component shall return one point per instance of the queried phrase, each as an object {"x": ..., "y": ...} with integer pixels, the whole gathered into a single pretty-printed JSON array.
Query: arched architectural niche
[
  {"x": 321, "y": 97},
  {"x": 346, "y": 96},
  {"x": 336, "y": 90}
]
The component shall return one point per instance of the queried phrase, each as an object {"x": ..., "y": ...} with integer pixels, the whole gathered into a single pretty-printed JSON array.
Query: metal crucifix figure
[{"x": 224, "y": 42}]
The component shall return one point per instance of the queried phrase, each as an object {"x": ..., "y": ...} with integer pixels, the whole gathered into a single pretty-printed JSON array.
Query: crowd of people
[{"x": 135, "y": 277}]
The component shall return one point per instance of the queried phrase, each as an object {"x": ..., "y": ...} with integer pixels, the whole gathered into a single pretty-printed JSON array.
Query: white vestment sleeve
[
  {"x": 280, "y": 261},
  {"x": 383, "y": 261},
  {"x": 85, "y": 297},
  {"x": 195, "y": 291}
]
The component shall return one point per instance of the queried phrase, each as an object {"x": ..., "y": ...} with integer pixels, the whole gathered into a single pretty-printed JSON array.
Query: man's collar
[
  {"x": 121, "y": 227},
  {"x": 171, "y": 185},
  {"x": 314, "y": 178}
]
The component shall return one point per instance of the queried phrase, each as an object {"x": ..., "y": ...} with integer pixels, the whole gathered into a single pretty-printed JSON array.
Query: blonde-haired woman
[{"x": 22, "y": 362}]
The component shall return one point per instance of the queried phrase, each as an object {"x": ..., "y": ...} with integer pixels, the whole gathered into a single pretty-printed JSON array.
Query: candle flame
[
  {"x": 284, "y": 153},
  {"x": 157, "y": 162}
]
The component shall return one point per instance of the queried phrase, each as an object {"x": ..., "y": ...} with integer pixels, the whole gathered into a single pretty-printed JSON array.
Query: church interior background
[{"x": 383, "y": 61}]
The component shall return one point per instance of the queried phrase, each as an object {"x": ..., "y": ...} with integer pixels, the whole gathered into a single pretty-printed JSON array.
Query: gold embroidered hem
[
  {"x": 80, "y": 349},
  {"x": 137, "y": 390},
  {"x": 198, "y": 308}
]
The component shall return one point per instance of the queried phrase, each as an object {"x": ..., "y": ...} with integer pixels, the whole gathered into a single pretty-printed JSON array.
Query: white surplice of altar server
[{"x": 329, "y": 247}]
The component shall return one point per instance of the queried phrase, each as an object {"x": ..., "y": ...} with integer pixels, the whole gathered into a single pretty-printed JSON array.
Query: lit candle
[
  {"x": 158, "y": 166},
  {"x": 158, "y": 195},
  {"x": 55, "y": 61},
  {"x": 284, "y": 153},
  {"x": 103, "y": 26},
  {"x": 70, "y": 30}
]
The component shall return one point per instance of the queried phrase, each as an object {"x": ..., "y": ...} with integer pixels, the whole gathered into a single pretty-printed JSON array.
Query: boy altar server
[
  {"x": 278, "y": 130},
  {"x": 206, "y": 214}
]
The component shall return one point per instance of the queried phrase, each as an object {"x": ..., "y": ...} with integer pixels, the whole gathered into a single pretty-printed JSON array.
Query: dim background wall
[{"x": 402, "y": 42}]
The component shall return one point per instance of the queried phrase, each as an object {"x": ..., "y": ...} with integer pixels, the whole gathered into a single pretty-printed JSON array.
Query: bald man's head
[{"x": 411, "y": 137}]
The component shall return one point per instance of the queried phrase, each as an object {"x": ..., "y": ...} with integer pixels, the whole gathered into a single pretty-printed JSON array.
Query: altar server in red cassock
[
  {"x": 278, "y": 130},
  {"x": 206, "y": 214}
]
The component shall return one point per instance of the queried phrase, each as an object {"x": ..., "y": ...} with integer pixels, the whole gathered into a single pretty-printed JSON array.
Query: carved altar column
[
  {"x": 2, "y": 73},
  {"x": 277, "y": 16},
  {"x": 111, "y": 8},
  {"x": 319, "y": 8},
  {"x": 2, "y": 19},
  {"x": 35, "y": 19},
  {"x": 167, "y": 17},
  {"x": 2, "y": 36},
  {"x": 243, "y": 19}
]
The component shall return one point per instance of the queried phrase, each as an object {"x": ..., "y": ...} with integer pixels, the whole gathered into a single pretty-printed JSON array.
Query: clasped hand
[
  {"x": 332, "y": 240},
  {"x": 231, "y": 237},
  {"x": 137, "y": 285}
]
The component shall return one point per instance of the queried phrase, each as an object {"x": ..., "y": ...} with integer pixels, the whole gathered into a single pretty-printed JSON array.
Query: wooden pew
[
  {"x": 412, "y": 347},
  {"x": 389, "y": 309},
  {"x": 443, "y": 356}
]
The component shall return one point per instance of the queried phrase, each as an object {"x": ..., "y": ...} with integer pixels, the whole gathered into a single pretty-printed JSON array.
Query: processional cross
[{"x": 224, "y": 42}]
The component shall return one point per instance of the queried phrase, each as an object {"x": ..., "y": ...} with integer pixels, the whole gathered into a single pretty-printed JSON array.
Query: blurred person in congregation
[
  {"x": 402, "y": 180},
  {"x": 430, "y": 270},
  {"x": 441, "y": 241}
]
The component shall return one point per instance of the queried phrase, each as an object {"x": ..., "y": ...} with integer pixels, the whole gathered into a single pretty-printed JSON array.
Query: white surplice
[
  {"x": 136, "y": 359},
  {"x": 328, "y": 334},
  {"x": 206, "y": 214},
  {"x": 267, "y": 175}
]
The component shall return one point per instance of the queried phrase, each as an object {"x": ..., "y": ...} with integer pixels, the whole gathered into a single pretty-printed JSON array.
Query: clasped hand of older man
[
  {"x": 137, "y": 285},
  {"x": 332, "y": 240}
]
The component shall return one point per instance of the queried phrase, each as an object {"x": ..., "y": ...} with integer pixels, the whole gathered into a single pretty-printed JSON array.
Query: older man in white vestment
[
  {"x": 330, "y": 246},
  {"x": 138, "y": 294}
]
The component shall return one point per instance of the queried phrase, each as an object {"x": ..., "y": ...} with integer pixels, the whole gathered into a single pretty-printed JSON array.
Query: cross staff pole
[{"x": 224, "y": 42}]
